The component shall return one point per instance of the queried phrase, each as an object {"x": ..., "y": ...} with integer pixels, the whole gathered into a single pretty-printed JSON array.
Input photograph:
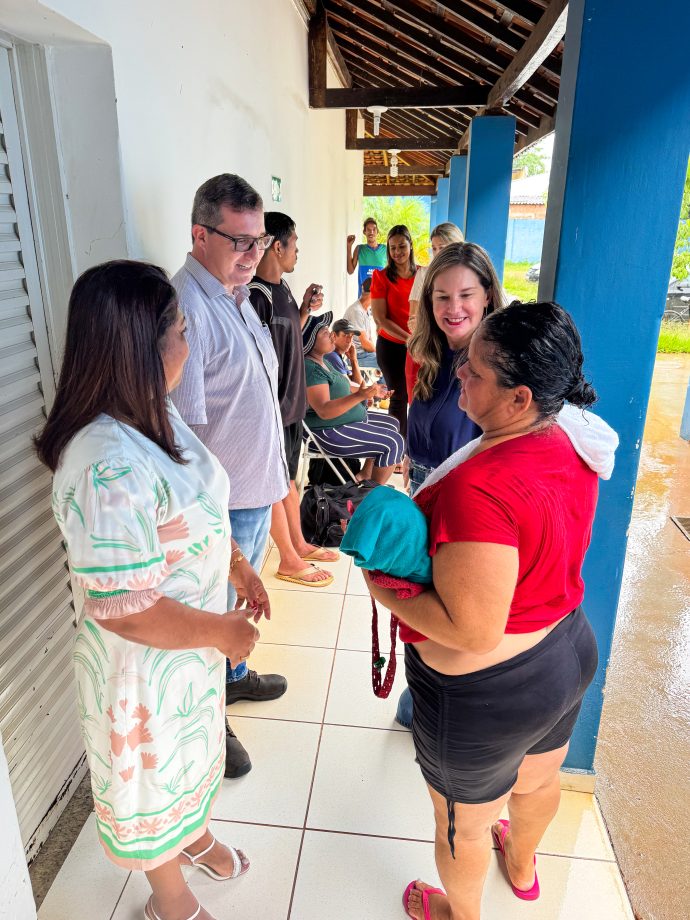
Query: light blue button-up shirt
[{"x": 229, "y": 389}]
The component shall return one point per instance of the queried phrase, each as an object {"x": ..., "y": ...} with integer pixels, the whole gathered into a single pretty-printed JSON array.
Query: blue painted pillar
[
  {"x": 620, "y": 158},
  {"x": 489, "y": 172},
  {"x": 442, "y": 200},
  {"x": 433, "y": 208},
  {"x": 457, "y": 190}
]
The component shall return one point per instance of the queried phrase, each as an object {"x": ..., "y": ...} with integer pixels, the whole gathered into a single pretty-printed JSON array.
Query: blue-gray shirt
[{"x": 229, "y": 389}]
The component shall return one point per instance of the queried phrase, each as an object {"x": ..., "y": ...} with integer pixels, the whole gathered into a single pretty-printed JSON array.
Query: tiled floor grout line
[
  {"x": 373, "y": 728},
  {"x": 316, "y": 758},
  {"x": 119, "y": 898}
]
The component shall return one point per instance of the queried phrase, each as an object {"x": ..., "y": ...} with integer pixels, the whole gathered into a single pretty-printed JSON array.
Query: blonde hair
[
  {"x": 447, "y": 232},
  {"x": 427, "y": 344}
]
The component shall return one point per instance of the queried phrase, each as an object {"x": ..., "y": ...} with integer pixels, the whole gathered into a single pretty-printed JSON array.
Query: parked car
[
  {"x": 533, "y": 272},
  {"x": 678, "y": 301}
]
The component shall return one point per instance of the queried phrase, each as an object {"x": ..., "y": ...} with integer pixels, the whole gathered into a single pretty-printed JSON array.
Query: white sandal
[
  {"x": 154, "y": 916},
  {"x": 237, "y": 867}
]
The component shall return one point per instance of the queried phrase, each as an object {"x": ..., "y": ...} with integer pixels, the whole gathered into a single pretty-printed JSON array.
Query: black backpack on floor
[{"x": 325, "y": 506}]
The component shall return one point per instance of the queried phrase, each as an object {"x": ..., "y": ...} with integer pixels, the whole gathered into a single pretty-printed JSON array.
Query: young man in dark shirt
[{"x": 272, "y": 299}]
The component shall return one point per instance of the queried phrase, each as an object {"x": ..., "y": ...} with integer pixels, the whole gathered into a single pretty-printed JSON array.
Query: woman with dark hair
[
  {"x": 499, "y": 651},
  {"x": 460, "y": 288},
  {"x": 337, "y": 416},
  {"x": 142, "y": 506},
  {"x": 390, "y": 307}
]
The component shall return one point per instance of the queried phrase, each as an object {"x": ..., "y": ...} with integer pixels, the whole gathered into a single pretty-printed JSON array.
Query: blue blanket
[{"x": 389, "y": 533}]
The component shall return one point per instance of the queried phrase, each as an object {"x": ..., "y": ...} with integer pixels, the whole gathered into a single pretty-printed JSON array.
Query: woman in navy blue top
[{"x": 460, "y": 288}]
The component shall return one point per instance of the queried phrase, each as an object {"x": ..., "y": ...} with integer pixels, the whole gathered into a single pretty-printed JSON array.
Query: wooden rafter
[
  {"x": 546, "y": 35},
  {"x": 416, "y": 170}
]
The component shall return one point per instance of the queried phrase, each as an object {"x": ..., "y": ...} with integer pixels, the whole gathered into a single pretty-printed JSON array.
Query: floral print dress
[{"x": 138, "y": 526}]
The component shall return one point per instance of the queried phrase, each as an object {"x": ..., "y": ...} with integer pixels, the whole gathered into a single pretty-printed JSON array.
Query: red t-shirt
[
  {"x": 535, "y": 493},
  {"x": 397, "y": 296}
]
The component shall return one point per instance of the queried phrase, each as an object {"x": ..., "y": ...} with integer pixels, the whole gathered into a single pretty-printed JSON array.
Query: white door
[{"x": 38, "y": 706}]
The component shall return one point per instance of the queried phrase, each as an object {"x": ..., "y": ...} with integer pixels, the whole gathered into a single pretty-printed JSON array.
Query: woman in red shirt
[
  {"x": 390, "y": 307},
  {"x": 498, "y": 683}
]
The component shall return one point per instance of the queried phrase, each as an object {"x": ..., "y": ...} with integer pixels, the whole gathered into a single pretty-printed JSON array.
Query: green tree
[
  {"x": 681, "y": 257},
  {"x": 410, "y": 211},
  {"x": 532, "y": 161}
]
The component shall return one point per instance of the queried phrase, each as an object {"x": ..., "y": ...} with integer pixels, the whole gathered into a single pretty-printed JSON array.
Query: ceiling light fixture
[
  {"x": 394, "y": 162},
  {"x": 377, "y": 111}
]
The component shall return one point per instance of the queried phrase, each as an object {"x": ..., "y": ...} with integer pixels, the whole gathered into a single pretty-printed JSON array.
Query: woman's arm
[
  {"x": 352, "y": 257},
  {"x": 320, "y": 400},
  {"x": 468, "y": 607},
  {"x": 379, "y": 311},
  {"x": 168, "y": 624}
]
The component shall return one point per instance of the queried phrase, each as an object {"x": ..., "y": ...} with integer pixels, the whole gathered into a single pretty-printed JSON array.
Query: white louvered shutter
[{"x": 38, "y": 714}]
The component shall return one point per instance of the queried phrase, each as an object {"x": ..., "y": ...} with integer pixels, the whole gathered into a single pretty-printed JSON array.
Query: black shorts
[
  {"x": 293, "y": 446},
  {"x": 472, "y": 731}
]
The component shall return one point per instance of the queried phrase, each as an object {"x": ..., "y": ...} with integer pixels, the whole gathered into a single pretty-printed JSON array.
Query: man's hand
[
  {"x": 352, "y": 354},
  {"x": 313, "y": 298},
  {"x": 350, "y": 239},
  {"x": 250, "y": 590}
]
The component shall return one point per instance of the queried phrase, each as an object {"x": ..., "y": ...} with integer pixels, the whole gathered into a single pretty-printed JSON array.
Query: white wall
[
  {"x": 16, "y": 897},
  {"x": 219, "y": 86}
]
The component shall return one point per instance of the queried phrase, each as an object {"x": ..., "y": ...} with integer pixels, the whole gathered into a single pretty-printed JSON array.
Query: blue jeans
[
  {"x": 250, "y": 528},
  {"x": 367, "y": 359},
  {"x": 418, "y": 474}
]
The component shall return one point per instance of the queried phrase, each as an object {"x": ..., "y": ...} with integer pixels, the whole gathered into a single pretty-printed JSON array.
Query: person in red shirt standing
[
  {"x": 390, "y": 307},
  {"x": 498, "y": 683}
]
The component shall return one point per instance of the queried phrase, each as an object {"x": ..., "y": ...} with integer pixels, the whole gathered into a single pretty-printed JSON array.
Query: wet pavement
[{"x": 643, "y": 755}]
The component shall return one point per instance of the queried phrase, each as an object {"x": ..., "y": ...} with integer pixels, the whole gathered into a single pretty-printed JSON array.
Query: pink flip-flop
[
  {"x": 425, "y": 898},
  {"x": 531, "y": 894}
]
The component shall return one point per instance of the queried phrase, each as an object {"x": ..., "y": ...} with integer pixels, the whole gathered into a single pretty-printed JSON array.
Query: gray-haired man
[{"x": 229, "y": 397}]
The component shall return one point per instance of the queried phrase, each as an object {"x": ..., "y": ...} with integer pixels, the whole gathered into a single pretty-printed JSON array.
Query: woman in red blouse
[
  {"x": 390, "y": 307},
  {"x": 498, "y": 683}
]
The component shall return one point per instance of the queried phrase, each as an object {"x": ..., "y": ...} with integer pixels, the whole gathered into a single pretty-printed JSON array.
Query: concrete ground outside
[{"x": 644, "y": 741}]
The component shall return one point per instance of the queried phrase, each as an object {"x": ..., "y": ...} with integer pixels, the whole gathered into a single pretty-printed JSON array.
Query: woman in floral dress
[{"x": 142, "y": 505}]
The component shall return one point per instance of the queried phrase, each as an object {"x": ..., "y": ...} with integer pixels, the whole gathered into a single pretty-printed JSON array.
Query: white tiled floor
[{"x": 334, "y": 814}]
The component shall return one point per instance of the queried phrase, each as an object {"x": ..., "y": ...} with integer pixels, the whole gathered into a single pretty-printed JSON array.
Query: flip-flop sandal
[
  {"x": 150, "y": 914},
  {"x": 195, "y": 862},
  {"x": 531, "y": 894},
  {"x": 299, "y": 579},
  {"x": 426, "y": 894},
  {"x": 318, "y": 555}
]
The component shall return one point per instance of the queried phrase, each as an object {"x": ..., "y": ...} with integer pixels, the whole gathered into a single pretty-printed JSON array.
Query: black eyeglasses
[{"x": 242, "y": 243}]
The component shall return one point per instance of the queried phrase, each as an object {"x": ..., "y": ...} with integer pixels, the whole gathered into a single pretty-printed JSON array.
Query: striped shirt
[{"x": 229, "y": 389}]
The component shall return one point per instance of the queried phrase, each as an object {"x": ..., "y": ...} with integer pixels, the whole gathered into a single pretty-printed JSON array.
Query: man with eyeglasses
[{"x": 229, "y": 397}]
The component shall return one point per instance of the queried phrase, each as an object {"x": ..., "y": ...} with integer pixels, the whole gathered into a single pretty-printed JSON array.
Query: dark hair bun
[{"x": 581, "y": 394}]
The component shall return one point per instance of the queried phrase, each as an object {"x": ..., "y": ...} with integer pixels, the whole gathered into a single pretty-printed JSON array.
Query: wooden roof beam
[
  {"x": 462, "y": 41},
  {"x": 422, "y": 97},
  {"x": 546, "y": 35},
  {"x": 417, "y": 170},
  {"x": 535, "y": 134},
  {"x": 369, "y": 191},
  {"x": 409, "y": 39},
  {"x": 402, "y": 143}
]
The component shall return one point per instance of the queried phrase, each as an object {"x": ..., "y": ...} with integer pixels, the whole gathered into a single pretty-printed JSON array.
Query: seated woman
[
  {"x": 504, "y": 653},
  {"x": 337, "y": 415}
]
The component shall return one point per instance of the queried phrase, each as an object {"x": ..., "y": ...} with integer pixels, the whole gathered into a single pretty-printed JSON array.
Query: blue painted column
[
  {"x": 489, "y": 172},
  {"x": 432, "y": 213},
  {"x": 619, "y": 164},
  {"x": 685, "y": 421},
  {"x": 442, "y": 200},
  {"x": 457, "y": 190}
]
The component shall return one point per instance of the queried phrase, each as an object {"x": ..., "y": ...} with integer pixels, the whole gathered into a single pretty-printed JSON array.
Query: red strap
[{"x": 382, "y": 688}]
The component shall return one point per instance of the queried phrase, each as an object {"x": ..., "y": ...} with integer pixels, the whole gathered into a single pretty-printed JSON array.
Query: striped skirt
[{"x": 378, "y": 437}]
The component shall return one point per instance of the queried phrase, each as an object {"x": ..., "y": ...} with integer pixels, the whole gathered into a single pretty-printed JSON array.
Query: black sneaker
[
  {"x": 237, "y": 762},
  {"x": 255, "y": 687}
]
